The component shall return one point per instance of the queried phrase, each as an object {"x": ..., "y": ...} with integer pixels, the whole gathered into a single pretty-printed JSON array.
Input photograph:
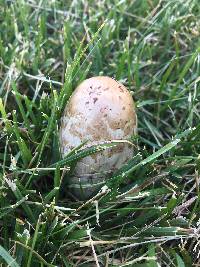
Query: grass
[{"x": 148, "y": 215}]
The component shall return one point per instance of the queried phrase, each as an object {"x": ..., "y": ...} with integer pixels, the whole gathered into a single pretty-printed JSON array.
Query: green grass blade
[{"x": 8, "y": 258}]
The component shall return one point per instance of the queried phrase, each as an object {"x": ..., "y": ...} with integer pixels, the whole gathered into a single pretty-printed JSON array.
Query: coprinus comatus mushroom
[{"x": 100, "y": 109}]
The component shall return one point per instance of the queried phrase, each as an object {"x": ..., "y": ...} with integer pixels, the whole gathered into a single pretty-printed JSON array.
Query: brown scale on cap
[{"x": 100, "y": 109}]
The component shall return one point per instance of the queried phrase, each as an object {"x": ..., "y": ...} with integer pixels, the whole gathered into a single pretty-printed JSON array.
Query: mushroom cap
[{"x": 100, "y": 109}]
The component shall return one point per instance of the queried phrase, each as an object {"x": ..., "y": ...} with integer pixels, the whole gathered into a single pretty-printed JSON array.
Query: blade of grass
[{"x": 8, "y": 258}]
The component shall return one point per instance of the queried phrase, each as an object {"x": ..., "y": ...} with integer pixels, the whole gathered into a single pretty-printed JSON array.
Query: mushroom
[{"x": 100, "y": 109}]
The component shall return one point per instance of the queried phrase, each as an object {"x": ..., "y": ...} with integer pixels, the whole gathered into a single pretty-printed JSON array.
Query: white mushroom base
[{"x": 92, "y": 171}]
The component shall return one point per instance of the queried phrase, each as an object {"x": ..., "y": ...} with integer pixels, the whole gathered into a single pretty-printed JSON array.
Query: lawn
[{"x": 148, "y": 213}]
